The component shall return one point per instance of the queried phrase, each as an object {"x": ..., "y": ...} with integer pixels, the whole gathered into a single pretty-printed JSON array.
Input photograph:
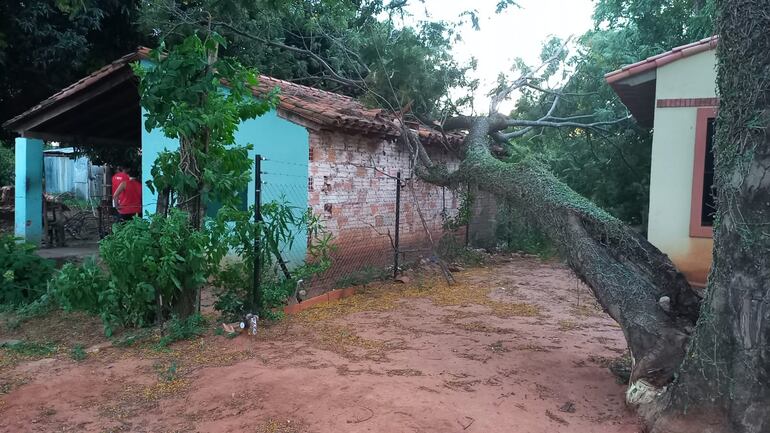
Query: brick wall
[{"x": 351, "y": 184}]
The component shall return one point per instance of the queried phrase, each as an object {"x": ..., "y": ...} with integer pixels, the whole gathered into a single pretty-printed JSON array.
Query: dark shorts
[{"x": 127, "y": 216}]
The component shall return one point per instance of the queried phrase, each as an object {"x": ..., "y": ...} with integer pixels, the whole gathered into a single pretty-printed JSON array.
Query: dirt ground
[{"x": 516, "y": 346}]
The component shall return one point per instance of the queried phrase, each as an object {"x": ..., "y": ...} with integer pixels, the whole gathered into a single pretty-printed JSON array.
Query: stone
[
  {"x": 97, "y": 347},
  {"x": 9, "y": 343}
]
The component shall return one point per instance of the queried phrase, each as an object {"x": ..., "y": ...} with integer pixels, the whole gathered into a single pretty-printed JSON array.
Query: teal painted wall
[
  {"x": 284, "y": 144},
  {"x": 28, "y": 217},
  {"x": 153, "y": 143}
]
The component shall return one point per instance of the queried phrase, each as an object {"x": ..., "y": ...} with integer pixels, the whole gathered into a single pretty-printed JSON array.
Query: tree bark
[
  {"x": 727, "y": 367},
  {"x": 713, "y": 376},
  {"x": 627, "y": 274}
]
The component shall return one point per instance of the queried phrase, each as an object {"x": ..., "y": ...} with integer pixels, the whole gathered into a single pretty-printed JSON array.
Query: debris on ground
[
  {"x": 555, "y": 417},
  {"x": 568, "y": 407}
]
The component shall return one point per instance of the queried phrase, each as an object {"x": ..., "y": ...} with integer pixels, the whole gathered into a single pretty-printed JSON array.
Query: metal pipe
[
  {"x": 398, "y": 223},
  {"x": 256, "y": 294}
]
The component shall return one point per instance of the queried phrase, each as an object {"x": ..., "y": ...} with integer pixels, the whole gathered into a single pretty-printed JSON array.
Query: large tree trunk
[
  {"x": 627, "y": 274},
  {"x": 727, "y": 368},
  {"x": 713, "y": 377}
]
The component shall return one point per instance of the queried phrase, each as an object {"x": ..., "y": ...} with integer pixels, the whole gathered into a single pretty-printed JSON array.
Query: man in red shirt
[
  {"x": 118, "y": 178},
  {"x": 127, "y": 197}
]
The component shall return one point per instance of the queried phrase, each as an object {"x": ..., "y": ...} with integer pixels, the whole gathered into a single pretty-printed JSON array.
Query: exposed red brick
[
  {"x": 362, "y": 194},
  {"x": 687, "y": 102}
]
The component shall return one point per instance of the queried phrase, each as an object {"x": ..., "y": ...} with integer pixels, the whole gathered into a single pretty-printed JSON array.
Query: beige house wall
[{"x": 673, "y": 148}]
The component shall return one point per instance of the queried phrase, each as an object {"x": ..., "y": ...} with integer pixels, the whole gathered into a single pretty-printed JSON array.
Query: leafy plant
[
  {"x": 78, "y": 352},
  {"x": 167, "y": 373},
  {"x": 184, "y": 96},
  {"x": 32, "y": 349},
  {"x": 7, "y": 163},
  {"x": 151, "y": 261},
  {"x": 233, "y": 233},
  {"x": 464, "y": 212},
  {"x": 24, "y": 275},
  {"x": 183, "y": 329},
  {"x": 79, "y": 287}
]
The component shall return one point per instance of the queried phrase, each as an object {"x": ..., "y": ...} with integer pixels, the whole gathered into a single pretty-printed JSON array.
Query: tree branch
[
  {"x": 553, "y": 124},
  {"x": 333, "y": 73},
  {"x": 522, "y": 81}
]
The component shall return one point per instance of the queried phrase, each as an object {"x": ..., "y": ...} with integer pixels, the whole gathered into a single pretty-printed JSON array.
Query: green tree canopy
[
  {"x": 48, "y": 44},
  {"x": 613, "y": 168},
  {"x": 357, "y": 48}
]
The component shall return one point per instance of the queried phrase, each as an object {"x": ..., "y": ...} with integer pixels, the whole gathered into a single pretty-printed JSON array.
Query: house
[
  {"x": 675, "y": 94},
  {"x": 321, "y": 151}
]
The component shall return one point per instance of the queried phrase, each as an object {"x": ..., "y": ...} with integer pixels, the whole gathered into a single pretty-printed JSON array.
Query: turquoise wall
[
  {"x": 153, "y": 143},
  {"x": 28, "y": 217},
  {"x": 284, "y": 144},
  {"x": 285, "y": 170}
]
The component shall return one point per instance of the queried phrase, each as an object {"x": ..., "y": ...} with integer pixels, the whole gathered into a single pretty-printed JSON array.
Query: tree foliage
[
  {"x": 23, "y": 274},
  {"x": 184, "y": 95},
  {"x": 357, "y": 48},
  {"x": 7, "y": 165},
  {"x": 611, "y": 168},
  {"x": 48, "y": 44}
]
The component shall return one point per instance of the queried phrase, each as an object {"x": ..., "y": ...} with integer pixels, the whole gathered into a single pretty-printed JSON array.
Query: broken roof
[
  {"x": 635, "y": 83},
  {"x": 325, "y": 109}
]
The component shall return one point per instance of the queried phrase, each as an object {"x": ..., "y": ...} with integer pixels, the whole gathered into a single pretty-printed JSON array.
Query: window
[{"x": 703, "y": 205}]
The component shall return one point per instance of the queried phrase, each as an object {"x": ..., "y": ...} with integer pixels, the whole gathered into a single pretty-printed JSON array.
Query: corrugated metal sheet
[{"x": 74, "y": 175}]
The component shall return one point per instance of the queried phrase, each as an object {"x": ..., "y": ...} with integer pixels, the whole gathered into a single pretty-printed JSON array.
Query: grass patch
[
  {"x": 31, "y": 349},
  {"x": 569, "y": 325},
  {"x": 183, "y": 329},
  {"x": 78, "y": 353}
]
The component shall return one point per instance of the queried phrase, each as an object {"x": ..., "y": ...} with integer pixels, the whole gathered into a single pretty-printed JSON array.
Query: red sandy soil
[{"x": 414, "y": 357}]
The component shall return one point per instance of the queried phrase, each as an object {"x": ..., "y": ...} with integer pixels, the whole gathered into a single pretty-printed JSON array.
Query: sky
[{"x": 516, "y": 32}]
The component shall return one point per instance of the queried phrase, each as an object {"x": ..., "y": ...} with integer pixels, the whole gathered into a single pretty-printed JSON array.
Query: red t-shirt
[
  {"x": 117, "y": 179},
  {"x": 130, "y": 200}
]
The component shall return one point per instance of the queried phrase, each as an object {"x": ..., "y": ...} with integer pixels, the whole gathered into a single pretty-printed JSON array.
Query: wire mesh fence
[{"x": 380, "y": 219}]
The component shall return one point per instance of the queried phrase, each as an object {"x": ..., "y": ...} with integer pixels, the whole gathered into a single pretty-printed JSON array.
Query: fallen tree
[{"x": 695, "y": 367}]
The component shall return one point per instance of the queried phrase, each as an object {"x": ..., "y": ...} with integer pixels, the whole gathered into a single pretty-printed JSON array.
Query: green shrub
[
  {"x": 233, "y": 233},
  {"x": 24, "y": 275},
  {"x": 33, "y": 349},
  {"x": 79, "y": 287},
  {"x": 183, "y": 329},
  {"x": 78, "y": 352},
  {"x": 145, "y": 258},
  {"x": 7, "y": 163},
  {"x": 150, "y": 257}
]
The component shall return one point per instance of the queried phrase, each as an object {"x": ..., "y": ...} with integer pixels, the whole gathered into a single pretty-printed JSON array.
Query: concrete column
[{"x": 29, "y": 189}]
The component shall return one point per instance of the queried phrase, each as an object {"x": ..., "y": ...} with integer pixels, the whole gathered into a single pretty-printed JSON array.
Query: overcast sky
[{"x": 517, "y": 32}]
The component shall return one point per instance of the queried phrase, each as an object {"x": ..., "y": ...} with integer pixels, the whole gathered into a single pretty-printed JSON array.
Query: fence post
[
  {"x": 398, "y": 224},
  {"x": 468, "y": 216},
  {"x": 256, "y": 290}
]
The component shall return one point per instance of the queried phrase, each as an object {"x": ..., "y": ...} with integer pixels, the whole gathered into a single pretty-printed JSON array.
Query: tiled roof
[
  {"x": 326, "y": 109},
  {"x": 659, "y": 60}
]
